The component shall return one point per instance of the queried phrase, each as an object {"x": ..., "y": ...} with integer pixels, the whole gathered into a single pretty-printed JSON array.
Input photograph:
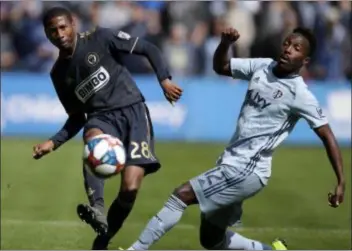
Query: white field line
[{"x": 58, "y": 223}]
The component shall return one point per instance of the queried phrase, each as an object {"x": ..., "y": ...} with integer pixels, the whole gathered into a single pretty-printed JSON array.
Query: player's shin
[
  {"x": 117, "y": 214},
  {"x": 160, "y": 224},
  {"x": 95, "y": 190}
]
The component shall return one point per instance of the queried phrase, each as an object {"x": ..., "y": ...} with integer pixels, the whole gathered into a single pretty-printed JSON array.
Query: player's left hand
[
  {"x": 171, "y": 91},
  {"x": 336, "y": 198}
]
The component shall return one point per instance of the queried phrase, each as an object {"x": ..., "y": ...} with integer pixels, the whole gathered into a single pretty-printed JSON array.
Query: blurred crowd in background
[{"x": 187, "y": 32}]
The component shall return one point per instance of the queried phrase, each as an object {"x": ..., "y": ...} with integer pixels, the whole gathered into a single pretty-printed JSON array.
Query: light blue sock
[
  {"x": 157, "y": 227},
  {"x": 237, "y": 241}
]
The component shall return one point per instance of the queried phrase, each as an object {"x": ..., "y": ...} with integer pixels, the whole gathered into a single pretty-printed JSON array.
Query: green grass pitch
[{"x": 38, "y": 199}]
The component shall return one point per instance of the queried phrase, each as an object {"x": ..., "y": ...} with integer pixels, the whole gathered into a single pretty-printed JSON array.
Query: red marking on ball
[
  {"x": 119, "y": 167},
  {"x": 93, "y": 161}
]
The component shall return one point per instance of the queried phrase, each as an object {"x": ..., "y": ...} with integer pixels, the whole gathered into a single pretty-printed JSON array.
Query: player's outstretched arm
[
  {"x": 171, "y": 90},
  {"x": 333, "y": 151},
  {"x": 73, "y": 125},
  {"x": 307, "y": 106},
  {"x": 221, "y": 62},
  {"x": 119, "y": 41}
]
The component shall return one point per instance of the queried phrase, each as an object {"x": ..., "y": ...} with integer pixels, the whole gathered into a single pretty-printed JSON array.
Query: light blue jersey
[{"x": 269, "y": 112}]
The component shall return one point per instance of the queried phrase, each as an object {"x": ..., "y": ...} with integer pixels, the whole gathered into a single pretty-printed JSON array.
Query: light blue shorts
[{"x": 221, "y": 192}]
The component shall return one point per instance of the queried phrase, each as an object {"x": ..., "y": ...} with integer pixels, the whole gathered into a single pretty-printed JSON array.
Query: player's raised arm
[
  {"x": 239, "y": 68},
  {"x": 119, "y": 41},
  {"x": 221, "y": 62},
  {"x": 307, "y": 107}
]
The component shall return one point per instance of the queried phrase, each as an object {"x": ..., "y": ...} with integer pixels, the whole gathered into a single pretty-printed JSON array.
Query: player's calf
[
  {"x": 94, "y": 186},
  {"x": 167, "y": 217},
  {"x": 131, "y": 180},
  {"x": 93, "y": 214}
]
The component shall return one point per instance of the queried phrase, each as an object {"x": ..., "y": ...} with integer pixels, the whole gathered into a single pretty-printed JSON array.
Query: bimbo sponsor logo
[{"x": 92, "y": 84}]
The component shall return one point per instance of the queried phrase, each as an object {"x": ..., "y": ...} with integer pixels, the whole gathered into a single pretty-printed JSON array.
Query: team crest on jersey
[
  {"x": 320, "y": 112},
  {"x": 92, "y": 58},
  {"x": 277, "y": 94}
]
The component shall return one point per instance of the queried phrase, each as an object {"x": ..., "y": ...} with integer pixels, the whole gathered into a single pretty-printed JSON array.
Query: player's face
[
  {"x": 294, "y": 53},
  {"x": 61, "y": 32}
]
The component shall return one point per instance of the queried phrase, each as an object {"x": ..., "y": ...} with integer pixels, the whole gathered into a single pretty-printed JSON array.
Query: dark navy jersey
[{"x": 94, "y": 79}]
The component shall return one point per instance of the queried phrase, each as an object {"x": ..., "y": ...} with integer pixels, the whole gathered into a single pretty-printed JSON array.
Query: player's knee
[
  {"x": 128, "y": 191},
  {"x": 90, "y": 133},
  {"x": 128, "y": 195},
  {"x": 186, "y": 194},
  {"x": 131, "y": 181}
]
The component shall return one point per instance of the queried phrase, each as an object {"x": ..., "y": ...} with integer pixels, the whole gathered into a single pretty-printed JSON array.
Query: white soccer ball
[{"x": 104, "y": 156}]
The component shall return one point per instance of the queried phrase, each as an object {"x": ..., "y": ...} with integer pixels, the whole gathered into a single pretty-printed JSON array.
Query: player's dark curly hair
[
  {"x": 55, "y": 12},
  {"x": 309, "y": 35}
]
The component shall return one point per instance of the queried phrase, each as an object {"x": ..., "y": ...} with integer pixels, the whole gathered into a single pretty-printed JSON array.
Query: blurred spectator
[
  {"x": 331, "y": 34},
  {"x": 219, "y": 24},
  {"x": 8, "y": 53},
  {"x": 243, "y": 18},
  {"x": 113, "y": 14},
  {"x": 180, "y": 53},
  {"x": 34, "y": 51},
  {"x": 137, "y": 27},
  {"x": 188, "y": 32},
  {"x": 188, "y": 13}
]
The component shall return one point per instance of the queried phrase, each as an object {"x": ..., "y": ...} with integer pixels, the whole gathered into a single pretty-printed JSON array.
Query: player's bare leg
[
  {"x": 211, "y": 236},
  {"x": 93, "y": 214},
  {"x": 131, "y": 180}
]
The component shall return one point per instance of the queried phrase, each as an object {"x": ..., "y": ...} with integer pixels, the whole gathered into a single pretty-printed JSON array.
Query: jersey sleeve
[
  {"x": 306, "y": 106},
  {"x": 119, "y": 41},
  {"x": 243, "y": 68}
]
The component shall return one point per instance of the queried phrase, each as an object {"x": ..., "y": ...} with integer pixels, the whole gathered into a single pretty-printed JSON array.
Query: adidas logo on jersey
[
  {"x": 92, "y": 84},
  {"x": 254, "y": 99}
]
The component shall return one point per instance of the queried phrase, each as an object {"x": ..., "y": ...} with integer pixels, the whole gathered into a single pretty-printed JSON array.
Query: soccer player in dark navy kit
[{"x": 100, "y": 96}]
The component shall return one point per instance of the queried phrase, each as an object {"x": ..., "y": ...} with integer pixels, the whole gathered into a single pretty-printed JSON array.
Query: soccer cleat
[
  {"x": 279, "y": 244},
  {"x": 93, "y": 217}
]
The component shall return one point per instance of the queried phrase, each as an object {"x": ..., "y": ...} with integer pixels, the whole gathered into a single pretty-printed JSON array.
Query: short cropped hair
[
  {"x": 309, "y": 35},
  {"x": 55, "y": 12}
]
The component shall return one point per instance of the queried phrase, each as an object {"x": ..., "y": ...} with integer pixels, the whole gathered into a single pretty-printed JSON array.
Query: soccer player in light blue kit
[{"x": 276, "y": 99}]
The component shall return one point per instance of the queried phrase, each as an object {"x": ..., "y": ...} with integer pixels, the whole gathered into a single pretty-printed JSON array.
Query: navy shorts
[{"x": 133, "y": 126}]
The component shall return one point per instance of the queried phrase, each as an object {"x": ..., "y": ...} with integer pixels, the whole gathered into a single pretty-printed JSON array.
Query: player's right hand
[
  {"x": 42, "y": 149},
  {"x": 172, "y": 91},
  {"x": 229, "y": 36},
  {"x": 336, "y": 198}
]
